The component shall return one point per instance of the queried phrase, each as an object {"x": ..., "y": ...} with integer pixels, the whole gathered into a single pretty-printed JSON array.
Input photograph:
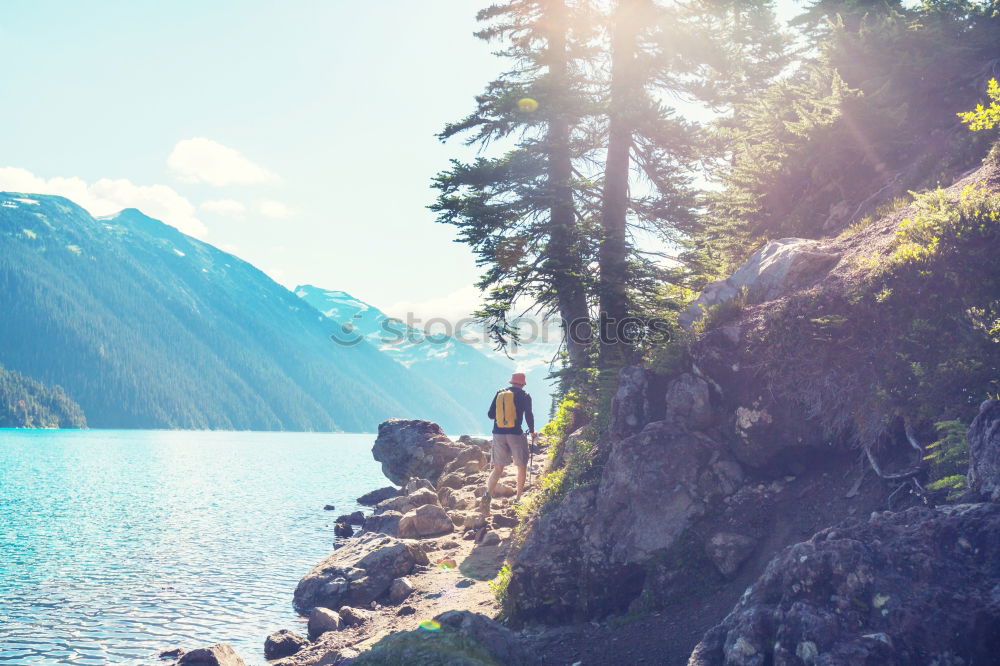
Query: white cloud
[
  {"x": 274, "y": 209},
  {"x": 227, "y": 207},
  {"x": 107, "y": 196},
  {"x": 201, "y": 160}
]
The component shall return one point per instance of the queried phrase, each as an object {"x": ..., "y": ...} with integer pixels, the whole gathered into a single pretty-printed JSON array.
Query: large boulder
[
  {"x": 594, "y": 553},
  {"x": 373, "y": 497},
  {"x": 386, "y": 522},
  {"x": 916, "y": 587},
  {"x": 772, "y": 271},
  {"x": 357, "y": 574},
  {"x": 767, "y": 431},
  {"x": 220, "y": 654},
  {"x": 429, "y": 520},
  {"x": 547, "y": 573},
  {"x": 984, "y": 451},
  {"x": 413, "y": 449},
  {"x": 653, "y": 486},
  {"x": 322, "y": 620}
]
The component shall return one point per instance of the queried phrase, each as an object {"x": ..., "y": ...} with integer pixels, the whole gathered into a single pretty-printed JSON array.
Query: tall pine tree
[{"x": 519, "y": 211}]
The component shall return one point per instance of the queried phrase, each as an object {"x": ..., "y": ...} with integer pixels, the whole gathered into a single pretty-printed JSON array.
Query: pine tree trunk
[
  {"x": 564, "y": 238},
  {"x": 613, "y": 256}
]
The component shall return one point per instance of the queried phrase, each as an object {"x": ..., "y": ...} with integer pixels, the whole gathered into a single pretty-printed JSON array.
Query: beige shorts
[{"x": 510, "y": 448}]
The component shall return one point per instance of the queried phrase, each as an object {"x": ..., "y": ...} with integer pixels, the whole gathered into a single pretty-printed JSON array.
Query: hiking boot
[{"x": 485, "y": 502}]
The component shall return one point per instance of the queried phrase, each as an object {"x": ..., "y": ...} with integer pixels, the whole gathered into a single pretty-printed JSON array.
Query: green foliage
[
  {"x": 918, "y": 339},
  {"x": 721, "y": 314},
  {"x": 854, "y": 125},
  {"x": 567, "y": 413},
  {"x": 26, "y": 403},
  {"x": 426, "y": 648},
  {"x": 499, "y": 585},
  {"x": 949, "y": 457},
  {"x": 984, "y": 118},
  {"x": 918, "y": 237}
]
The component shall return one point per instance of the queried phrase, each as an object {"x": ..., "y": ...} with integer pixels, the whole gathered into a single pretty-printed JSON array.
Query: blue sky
[{"x": 298, "y": 135}]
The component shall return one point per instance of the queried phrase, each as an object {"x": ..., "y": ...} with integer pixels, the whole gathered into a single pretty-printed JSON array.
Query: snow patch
[
  {"x": 179, "y": 253},
  {"x": 8, "y": 204},
  {"x": 33, "y": 202}
]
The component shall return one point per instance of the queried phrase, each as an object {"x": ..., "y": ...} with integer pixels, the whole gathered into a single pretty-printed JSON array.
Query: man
[{"x": 510, "y": 406}]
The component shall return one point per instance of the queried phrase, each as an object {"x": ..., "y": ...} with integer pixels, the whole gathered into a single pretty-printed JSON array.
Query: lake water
[{"x": 115, "y": 545}]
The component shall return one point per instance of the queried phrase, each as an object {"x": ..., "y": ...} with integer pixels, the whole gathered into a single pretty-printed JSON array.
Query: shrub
[{"x": 949, "y": 457}]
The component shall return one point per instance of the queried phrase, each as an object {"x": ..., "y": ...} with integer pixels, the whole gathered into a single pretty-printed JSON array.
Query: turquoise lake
[{"x": 115, "y": 545}]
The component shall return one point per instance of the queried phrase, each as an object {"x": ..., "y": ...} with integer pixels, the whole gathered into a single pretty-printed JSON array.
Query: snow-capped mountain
[{"x": 469, "y": 373}]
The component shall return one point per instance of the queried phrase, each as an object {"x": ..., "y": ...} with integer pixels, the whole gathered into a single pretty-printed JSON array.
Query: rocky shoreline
[
  {"x": 424, "y": 550},
  {"x": 920, "y": 585}
]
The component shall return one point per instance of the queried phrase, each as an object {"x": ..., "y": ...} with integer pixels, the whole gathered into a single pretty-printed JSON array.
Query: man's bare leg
[
  {"x": 491, "y": 485},
  {"x": 521, "y": 471}
]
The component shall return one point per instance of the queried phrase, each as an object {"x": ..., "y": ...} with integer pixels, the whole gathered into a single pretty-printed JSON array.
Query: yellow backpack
[{"x": 506, "y": 410}]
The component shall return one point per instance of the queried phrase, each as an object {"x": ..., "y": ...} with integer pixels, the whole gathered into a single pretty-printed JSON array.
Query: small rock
[
  {"x": 401, "y": 504},
  {"x": 501, "y": 520},
  {"x": 343, "y": 530},
  {"x": 375, "y": 496},
  {"x": 421, "y": 497},
  {"x": 429, "y": 520},
  {"x": 446, "y": 497},
  {"x": 450, "y": 543},
  {"x": 413, "y": 485},
  {"x": 220, "y": 654},
  {"x": 400, "y": 589},
  {"x": 173, "y": 653},
  {"x": 452, "y": 480},
  {"x": 356, "y": 518},
  {"x": 353, "y": 616},
  {"x": 406, "y": 610},
  {"x": 465, "y": 582},
  {"x": 283, "y": 643},
  {"x": 322, "y": 620},
  {"x": 474, "y": 520},
  {"x": 503, "y": 490},
  {"x": 329, "y": 507},
  {"x": 728, "y": 551},
  {"x": 489, "y": 539}
]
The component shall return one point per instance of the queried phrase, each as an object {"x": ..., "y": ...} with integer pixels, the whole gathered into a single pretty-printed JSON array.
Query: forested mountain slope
[
  {"x": 465, "y": 373},
  {"x": 25, "y": 403},
  {"x": 146, "y": 327}
]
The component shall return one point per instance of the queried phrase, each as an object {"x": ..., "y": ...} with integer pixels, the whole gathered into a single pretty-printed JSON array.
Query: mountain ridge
[{"x": 158, "y": 329}]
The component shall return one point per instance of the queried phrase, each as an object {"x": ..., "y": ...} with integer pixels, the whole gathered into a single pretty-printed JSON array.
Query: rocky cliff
[
  {"x": 782, "y": 421},
  {"x": 773, "y": 497}
]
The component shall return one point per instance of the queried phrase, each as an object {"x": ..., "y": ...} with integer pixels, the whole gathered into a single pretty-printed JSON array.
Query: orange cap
[{"x": 518, "y": 379}]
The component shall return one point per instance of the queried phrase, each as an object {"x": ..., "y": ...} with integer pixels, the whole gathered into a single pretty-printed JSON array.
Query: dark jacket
[{"x": 522, "y": 405}]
